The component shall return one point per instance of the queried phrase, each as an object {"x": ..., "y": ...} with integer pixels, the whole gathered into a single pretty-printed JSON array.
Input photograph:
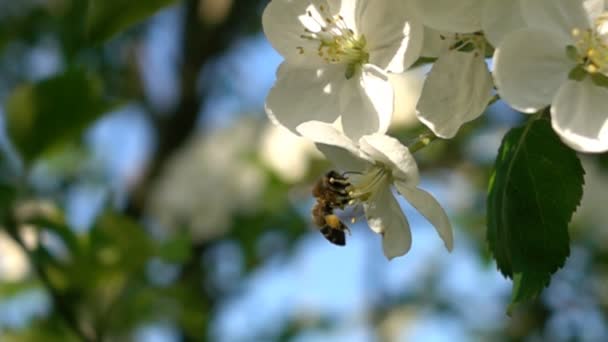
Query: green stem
[{"x": 421, "y": 142}]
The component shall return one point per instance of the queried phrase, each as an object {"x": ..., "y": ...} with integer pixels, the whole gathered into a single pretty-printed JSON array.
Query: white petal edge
[
  {"x": 457, "y": 90},
  {"x": 304, "y": 94},
  {"x": 579, "y": 114},
  {"x": 336, "y": 147},
  {"x": 283, "y": 22},
  {"x": 529, "y": 67},
  {"x": 594, "y": 8},
  {"x": 394, "y": 37},
  {"x": 428, "y": 206},
  {"x": 408, "y": 87},
  {"x": 463, "y": 16},
  {"x": 501, "y": 17},
  {"x": 557, "y": 16},
  {"x": 393, "y": 154},
  {"x": 366, "y": 103},
  {"x": 385, "y": 216}
]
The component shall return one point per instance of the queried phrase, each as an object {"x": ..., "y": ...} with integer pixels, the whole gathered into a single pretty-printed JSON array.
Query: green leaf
[
  {"x": 43, "y": 115},
  {"x": 535, "y": 188},
  {"x": 177, "y": 249},
  {"x": 8, "y": 194},
  {"x": 119, "y": 242},
  {"x": 599, "y": 79},
  {"x": 578, "y": 73},
  {"x": 108, "y": 17},
  {"x": 572, "y": 52}
]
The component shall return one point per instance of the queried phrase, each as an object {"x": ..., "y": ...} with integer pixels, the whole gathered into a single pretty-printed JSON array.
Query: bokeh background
[{"x": 174, "y": 211}]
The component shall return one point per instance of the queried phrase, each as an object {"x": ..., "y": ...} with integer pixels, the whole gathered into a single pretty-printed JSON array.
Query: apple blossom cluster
[{"x": 333, "y": 86}]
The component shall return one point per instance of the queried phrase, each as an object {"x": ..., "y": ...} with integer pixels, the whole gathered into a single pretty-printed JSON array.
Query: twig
[{"x": 62, "y": 307}]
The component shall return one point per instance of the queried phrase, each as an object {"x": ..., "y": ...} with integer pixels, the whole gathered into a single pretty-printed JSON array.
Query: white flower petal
[
  {"x": 340, "y": 150},
  {"x": 529, "y": 67},
  {"x": 435, "y": 42},
  {"x": 348, "y": 11},
  {"x": 594, "y": 8},
  {"x": 384, "y": 216},
  {"x": 393, "y": 154},
  {"x": 501, "y": 17},
  {"x": 301, "y": 95},
  {"x": 580, "y": 116},
  {"x": 457, "y": 90},
  {"x": 463, "y": 16},
  {"x": 284, "y": 22},
  {"x": 428, "y": 206},
  {"x": 394, "y": 38},
  {"x": 366, "y": 104},
  {"x": 408, "y": 87},
  {"x": 556, "y": 16}
]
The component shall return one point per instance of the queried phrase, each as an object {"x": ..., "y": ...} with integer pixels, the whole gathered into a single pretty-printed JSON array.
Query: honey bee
[
  {"x": 329, "y": 223},
  {"x": 331, "y": 188},
  {"x": 331, "y": 193}
]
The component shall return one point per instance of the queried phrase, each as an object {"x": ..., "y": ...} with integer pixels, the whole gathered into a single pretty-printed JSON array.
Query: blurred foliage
[
  {"x": 42, "y": 115},
  {"x": 108, "y": 17}
]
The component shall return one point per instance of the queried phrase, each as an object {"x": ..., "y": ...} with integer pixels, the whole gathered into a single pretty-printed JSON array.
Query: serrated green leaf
[
  {"x": 43, "y": 115},
  {"x": 108, "y": 17},
  {"x": 527, "y": 286},
  {"x": 535, "y": 188}
]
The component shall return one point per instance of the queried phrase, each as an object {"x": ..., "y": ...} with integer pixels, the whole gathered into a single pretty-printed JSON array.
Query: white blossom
[
  {"x": 14, "y": 264},
  {"x": 459, "y": 85},
  {"x": 408, "y": 87},
  {"x": 286, "y": 154},
  {"x": 372, "y": 167},
  {"x": 462, "y": 16},
  {"x": 561, "y": 60},
  {"x": 500, "y": 17},
  {"x": 494, "y": 17},
  {"x": 212, "y": 178},
  {"x": 337, "y": 56}
]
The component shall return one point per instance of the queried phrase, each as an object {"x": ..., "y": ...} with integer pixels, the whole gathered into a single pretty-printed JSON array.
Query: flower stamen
[
  {"x": 362, "y": 187},
  {"x": 337, "y": 43},
  {"x": 467, "y": 42},
  {"x": 592, "y": 46}
]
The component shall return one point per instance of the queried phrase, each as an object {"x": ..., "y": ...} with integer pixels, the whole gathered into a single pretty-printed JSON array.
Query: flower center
[
  {"x": 592, "y": 46},
  {"x": 466, "y": 42},
  {"x": 337, "y": 44},
  {"x": 363, "y": 186}
]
